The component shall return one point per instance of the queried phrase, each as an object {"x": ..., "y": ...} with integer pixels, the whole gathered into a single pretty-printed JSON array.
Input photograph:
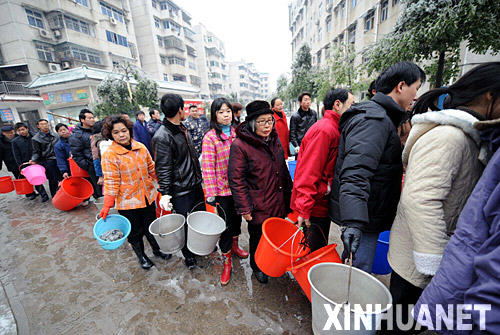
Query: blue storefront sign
[{"x": 7, "y": 115}]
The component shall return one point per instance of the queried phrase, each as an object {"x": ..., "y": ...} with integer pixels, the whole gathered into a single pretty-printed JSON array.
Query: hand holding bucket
[{"x": 34, "y": 173}]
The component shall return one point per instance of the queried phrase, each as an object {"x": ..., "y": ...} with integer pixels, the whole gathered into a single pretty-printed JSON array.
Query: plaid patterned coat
[
  {"x": 215, "y": 161},
  {"x": 129, "y": 175}
]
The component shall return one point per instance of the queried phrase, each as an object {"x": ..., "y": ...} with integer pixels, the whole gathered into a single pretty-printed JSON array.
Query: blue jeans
[{"x": 366, "y": 252}]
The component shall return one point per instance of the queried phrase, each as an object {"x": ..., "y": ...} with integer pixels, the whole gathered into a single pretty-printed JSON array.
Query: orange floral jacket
[{"x": 129, "y": 175}]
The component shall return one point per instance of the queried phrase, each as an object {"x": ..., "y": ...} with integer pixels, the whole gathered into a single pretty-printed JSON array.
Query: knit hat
[
  {"x": 7, "y": 128},
  {"x": 256, "y": 108}
]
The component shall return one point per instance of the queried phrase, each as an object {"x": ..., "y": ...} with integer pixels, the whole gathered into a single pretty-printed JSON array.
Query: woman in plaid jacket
[
  {"x": 129, "y": 172},
  {"x": 215, "y": 160}
]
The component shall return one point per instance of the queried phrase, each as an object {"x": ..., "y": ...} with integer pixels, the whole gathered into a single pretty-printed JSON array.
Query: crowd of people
[{"x": 444, "y": 222}]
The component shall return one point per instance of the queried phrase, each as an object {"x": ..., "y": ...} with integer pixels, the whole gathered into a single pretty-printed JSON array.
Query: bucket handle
[
  {"x": 21, "y": 169},
  {"x": 161, "y": 214},
  {"x": 308, "y": 232},
  {"x": 217, "y": 206}
]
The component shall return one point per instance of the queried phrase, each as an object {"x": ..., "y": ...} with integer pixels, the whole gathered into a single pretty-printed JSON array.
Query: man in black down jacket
[
  {"x": 43, "y": 153},
  {"x": 302, "y": 120},
  {"x": 6, "y": 155},
  {"x": 22, "y": 148},
  {"x": 367, "y": 182},
  {"x": 80, "y": 148},
  {"x": 177, "y": 166}
]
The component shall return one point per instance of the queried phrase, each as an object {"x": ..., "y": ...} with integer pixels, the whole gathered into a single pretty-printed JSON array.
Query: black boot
[
  {"x": 43, "y": 193},
  {"x": 261, "y": 277},
  {"x": 144, "y": 261},
  {"x": 31, "y": 196},
  {"x": 156, "y": 248}
]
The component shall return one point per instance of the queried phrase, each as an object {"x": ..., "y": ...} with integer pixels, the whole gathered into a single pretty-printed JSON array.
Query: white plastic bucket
[
  {"x": 168, "y": 231},
  {"x": 204, "y": 230},
  {"x": 329, "y": 286}
]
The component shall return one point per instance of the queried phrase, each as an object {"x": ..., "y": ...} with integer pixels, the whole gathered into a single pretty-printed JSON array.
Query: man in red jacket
[
  {"x": 315, "y": 169},
  {"x": 281, "y": 124}
]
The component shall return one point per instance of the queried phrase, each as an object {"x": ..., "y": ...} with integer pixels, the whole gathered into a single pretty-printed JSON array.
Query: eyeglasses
[{"x": 265, "y": 122}]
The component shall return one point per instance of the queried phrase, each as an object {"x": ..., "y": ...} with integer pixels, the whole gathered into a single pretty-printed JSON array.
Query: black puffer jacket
[
  {"x": 43, "y": 146},
  {"x": 300, "y": 122},
  {"x": 176, "y": 162},
  {"x": 22, "y": 148},
  {"x": 79, "y": 142},
  {"x": 367, "y": 182},
  {"x": 6, "y": 154}
]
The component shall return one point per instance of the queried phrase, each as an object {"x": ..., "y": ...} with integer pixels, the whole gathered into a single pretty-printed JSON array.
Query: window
[
  {"x": 342, "y": 8},
  {"x": 215, "y": 75},
  {"x": 327, "y": 52},
  {"x": 83, "y": 54},
  {"x": 395, "y": 2},
  {"x": 320, "y": 10},
  {"x": 154, "y": 3},
  {"x": 384, "y": 10},
  {"x": 192, "y": 66},
  {"x": 352, "y": 34},
  {"x": 165, "y": 77},
  {"x": 209, "y": 39},
  {"x": 214, "y": 63},
  {"x": 160, "y": 40},
  {"x": 320, "y": 34},
  {"x": 116, "y": 39},
  {"x": 318, "y": 55},
  {"x": 242, "y": 76},
  {"x": 178, "y": 77},
  {"x": 34, "y": 18},
  {"x": 78, "y": 25},
  {"x": 44, "y": 52},
  {"x": 369, "y": 21},
  {"x": 57, "y": 22},
  {"x": 82, "y": 2},
  {"x": 111, "y": 11},
  {"x": 157, "y": 22},
  {"x": 354, "y": 3},
  {"x": 328, "y": 25},
  {"x": 176, "y": 60},
  {"x": 163, "y": 59},
  {"x": 166, "y": 24}
]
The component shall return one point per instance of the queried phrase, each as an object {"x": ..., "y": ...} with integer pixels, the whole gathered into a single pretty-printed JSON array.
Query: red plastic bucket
[
  {"x": 6, "y": 184},
  {"x": 23, "y": 186},
  {"x": 76, "y": 171},
  {"x": 72, "y": 192},
  {"x": 300, "y": 269},
  {"x": 273, "y": 255}
]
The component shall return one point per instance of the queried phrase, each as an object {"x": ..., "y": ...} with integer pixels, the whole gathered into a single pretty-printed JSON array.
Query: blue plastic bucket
[
  {"x": 291, "y": 167},
  {"x": 380, "y": 264},
  {"x": 113, "y": 221}
]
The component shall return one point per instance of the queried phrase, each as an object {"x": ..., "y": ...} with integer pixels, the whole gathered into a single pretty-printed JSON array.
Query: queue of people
[{"x": 444, "y": 222}]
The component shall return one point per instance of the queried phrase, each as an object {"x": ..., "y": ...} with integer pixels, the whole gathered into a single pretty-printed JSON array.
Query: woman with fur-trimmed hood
[{"x": 445, "y": 157}]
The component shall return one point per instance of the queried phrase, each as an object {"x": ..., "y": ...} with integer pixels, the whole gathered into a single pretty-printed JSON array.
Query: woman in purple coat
[{"x": 258, "y": 176}]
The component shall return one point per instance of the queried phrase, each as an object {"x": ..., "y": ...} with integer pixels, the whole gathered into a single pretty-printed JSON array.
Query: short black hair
[
  {"x": 403, "y": 71},
  {"x": 273, "y": 101},
  {"x": 152, "y": 112},
  {"x": 302, "y": 95},
  {"x": 139, "y": 113},
  {"x": 84, "y": 111},
  {"x": 41, "y": 120},
  {"x": 20, "y": 125},
  {"x": 193, "y": 106},
  {"x": 171, "y": 103},
  {"x": 335, "y": 94},
  {"x": 107, "y": 127},
  {"x": 59, "y": 125}
]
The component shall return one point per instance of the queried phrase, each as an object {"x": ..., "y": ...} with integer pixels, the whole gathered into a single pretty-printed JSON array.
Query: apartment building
[
  {"x": 265, "y": 89},
  {"x": 166, "y": 41},
  {"x": 212, "y": 66},
  {"x": 46, "y": 36},
  {"x": 245, "y": 81}
]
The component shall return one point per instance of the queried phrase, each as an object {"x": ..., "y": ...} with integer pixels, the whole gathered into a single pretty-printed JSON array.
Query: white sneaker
[{"x": 85, "y": 203}]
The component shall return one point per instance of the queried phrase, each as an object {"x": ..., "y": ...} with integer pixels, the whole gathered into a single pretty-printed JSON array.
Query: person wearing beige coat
[{"x": 441, "y": 154}]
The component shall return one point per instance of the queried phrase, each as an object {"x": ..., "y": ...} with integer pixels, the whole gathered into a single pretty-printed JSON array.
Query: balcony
[{"x": 16, "y": 88}]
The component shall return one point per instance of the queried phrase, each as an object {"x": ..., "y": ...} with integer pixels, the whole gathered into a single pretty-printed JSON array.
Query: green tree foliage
[
  {"x": 430, "y": 32},
  {"x": 302, "y": 74},
  {"x": 115, "y": 97}
]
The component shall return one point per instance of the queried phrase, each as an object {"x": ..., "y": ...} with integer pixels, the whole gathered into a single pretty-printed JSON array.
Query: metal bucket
[
  {"x": 168, "y": 231},
  {"x": 329, "y": 286},
  {"x": 204, "y": 230}
]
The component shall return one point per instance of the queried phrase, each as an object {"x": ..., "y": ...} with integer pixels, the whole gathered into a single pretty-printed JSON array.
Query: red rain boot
[
  {"x": 237, "y": 250},
  {"x": 226, "y": 272}
]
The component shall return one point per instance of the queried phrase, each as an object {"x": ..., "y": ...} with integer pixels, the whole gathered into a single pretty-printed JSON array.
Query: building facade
[
  {"x": 244, "y": 81},
  {"x": 213, "y": 69}
]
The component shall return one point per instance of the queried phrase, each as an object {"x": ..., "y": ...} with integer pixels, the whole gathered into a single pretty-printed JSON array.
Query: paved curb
[{"x": 9, "y": 295}]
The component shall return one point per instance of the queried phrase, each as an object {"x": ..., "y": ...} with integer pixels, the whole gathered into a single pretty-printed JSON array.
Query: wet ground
[{"x": 61, "y": 282}]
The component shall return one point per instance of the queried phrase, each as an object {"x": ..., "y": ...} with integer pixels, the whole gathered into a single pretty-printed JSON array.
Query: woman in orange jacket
[{"x": 129, "y": 172}]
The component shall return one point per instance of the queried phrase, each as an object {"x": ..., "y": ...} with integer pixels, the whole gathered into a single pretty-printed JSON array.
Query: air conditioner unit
[
  {"x": 66, "y": 65},
  {"x": 44, "y": 33},
  {"x": 53, "y": 67},
  {"x": 113, "y": 21},
  {"x": 57, "y": 33}
]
